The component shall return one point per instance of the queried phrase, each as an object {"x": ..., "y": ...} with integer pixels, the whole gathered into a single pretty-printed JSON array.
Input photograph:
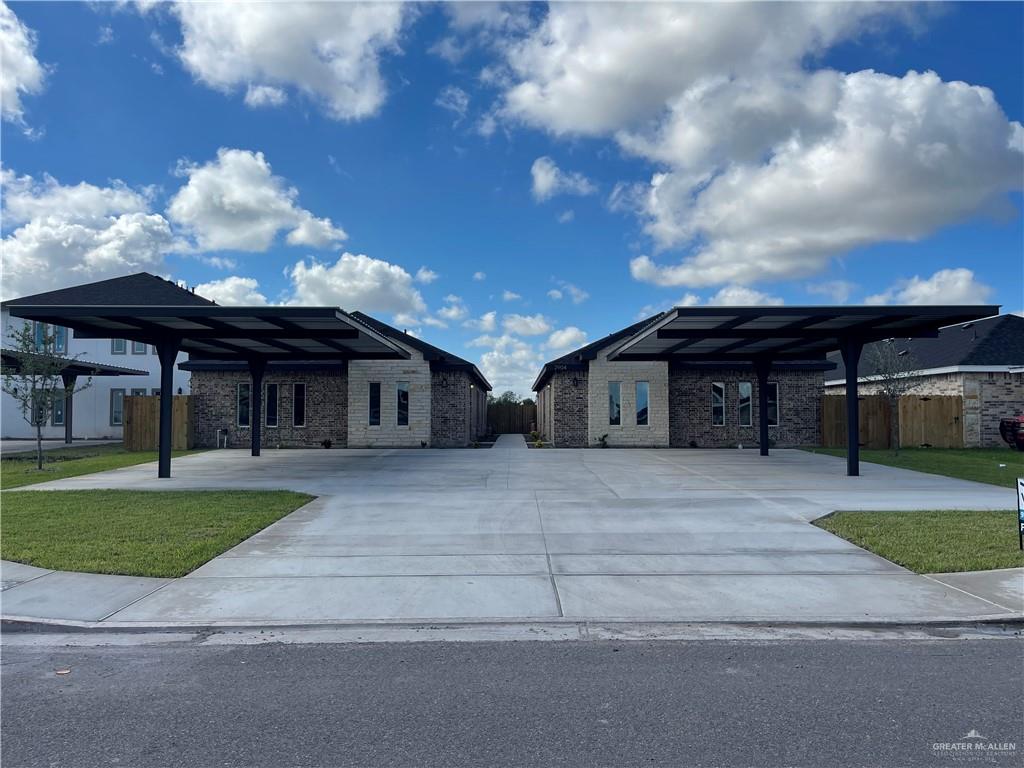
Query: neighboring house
[
  {"x": 99, "y": 409},
  {"x": 582, "y": 396},
  {"x": 981, "y": 361},
  {"x": 432, "y": 399}
]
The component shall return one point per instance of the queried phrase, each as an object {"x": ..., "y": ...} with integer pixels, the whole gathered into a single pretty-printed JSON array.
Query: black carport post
[
  {"x": 851, "y": 350},
  {"x": 256, "y": 368},
  {"x": 167, "y": 351},
  {"x": 761, "y": 368},
  {"x": 69, "y": 404}
]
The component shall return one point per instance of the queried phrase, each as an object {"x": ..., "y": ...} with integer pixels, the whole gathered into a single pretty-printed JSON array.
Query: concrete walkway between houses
[{"x": 513, "y": 535}]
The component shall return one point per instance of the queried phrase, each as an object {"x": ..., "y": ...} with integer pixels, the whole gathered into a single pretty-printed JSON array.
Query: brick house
[
  {"x": 434, "y": 399},
  {"x": 980, "y": 361},
  {"x": 583, "y": 396}
]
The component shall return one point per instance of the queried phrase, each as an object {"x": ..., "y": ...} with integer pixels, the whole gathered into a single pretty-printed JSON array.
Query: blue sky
[{"x": 592, "y": 163}]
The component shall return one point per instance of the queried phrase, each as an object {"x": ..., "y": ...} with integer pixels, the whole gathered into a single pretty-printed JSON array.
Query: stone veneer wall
[
  {"x": 628, "y": 433},
  {"x": 215, "y": 393},
  {"x": 569, "y": 409},
  {"x": 458, "y": 409},
  {"x": 987, "y": 398},
  {"x": 690, "y": 408},
  {"x": 415, "y": 371}
]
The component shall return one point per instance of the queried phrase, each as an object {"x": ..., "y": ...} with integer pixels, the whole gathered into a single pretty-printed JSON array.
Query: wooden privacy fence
[
  {"x": 142, "y": 423},
  {"x": 923, "y": 420},
  {"x": 511, "y": 418}
]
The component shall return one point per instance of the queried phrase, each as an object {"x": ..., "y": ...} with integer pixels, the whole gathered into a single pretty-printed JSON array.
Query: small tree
[
  {"x": 895, "y": 373},
  {"x": 35, "y": 380}
]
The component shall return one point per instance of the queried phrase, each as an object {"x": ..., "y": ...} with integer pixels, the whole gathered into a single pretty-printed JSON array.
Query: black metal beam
[
  {"x": 69, "y": 379},
  {"x": 851, "y": 349},
  {"x": 762, "y": 366},
  {"x": 256, "y": 369},
  {"x": 167, "y": 350}
]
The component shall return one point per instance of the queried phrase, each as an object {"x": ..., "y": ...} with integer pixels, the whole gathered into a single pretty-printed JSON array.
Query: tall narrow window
[
  {"x": 374, "y": 414},
  {"x": 243, "y": 403},
  {"x": 39, "y": 335},
  {"x": 58, "y": 409},
  {"x": 271, "y": 418},
  {"x": 745, "y": 409},
  {"x": 117, "y": 346},
  {"x": 614, "y": 403},
  {"x": 773, "y": 404},
  {"x": 717, "y": 404},
  {"x": 138, "y": 348},
  {"x": 643, "y": 391},
  {"x": 138, "y": 391},
  {"x": 402, "y": 389},
  {"x": 60, "y": 339},
  {"x": 298, "y": 404},
  {"x": 116, "y": 407}
]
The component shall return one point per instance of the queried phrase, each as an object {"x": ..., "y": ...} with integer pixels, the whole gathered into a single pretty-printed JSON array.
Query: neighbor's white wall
[
  {"x": 92, "y": 405},
  {"x": 416, "y": 371},
  {"x": 628, "y": 433}
]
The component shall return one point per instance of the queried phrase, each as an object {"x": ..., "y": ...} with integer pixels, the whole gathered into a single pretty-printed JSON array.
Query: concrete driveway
[{"x": 510, "y": 533}]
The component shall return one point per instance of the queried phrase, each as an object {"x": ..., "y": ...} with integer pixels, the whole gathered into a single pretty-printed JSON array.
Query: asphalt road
[{"x": 668, "y": 703}]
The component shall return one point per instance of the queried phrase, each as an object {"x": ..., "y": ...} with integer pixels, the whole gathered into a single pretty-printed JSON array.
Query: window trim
[
  {"x": 266, "y": 405},
  {"x": 58, "y": 402},
  {"x": 369, "y": 403},
  {"x": 778, "y": 404},
  {"x": 113, "y": 391},
  {"x": 721, "y": 386},
  {"x": 295, "y": 399},
  {"x": 248, "y": 405},
  {"x": 636, "y": 403},
  {"x": 750, "y": 403},
  {"x": 402, "y": 386},
  {"x": 618, "y": 390},
  {"x": 124, "y": 347},
  {"x": 136, "y": 344}
]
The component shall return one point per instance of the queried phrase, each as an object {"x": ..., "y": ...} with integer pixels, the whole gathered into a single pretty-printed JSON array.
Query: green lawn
[
  {"x": 934, "y": 541},
  {"x": 978, "y": 464},
  {"x": 19, "y": 469},
  {"x": 135, "y": 533}
]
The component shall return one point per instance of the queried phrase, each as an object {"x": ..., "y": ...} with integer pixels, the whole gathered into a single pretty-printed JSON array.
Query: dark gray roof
[
  {"x": 141, "y": 288},
  {"x": 430, "y": 353},
  {"x": 578, "y": 358},
  {"x": 992, "y": 341}
]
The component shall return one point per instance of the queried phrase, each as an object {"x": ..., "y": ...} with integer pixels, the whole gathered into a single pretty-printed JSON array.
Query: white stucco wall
[
  {"x": 92, "y": 405},
  {"x": 628, "y": 433},
  {"x": 415, "y": 371}
]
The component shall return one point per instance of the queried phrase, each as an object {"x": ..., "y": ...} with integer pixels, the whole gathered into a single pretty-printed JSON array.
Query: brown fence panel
[
  {"x": 511, "y": 418},
  {"x": 874, "y": 424},
  {"x": 142, "y": 423},
  {"x": 934, "y": 421}
]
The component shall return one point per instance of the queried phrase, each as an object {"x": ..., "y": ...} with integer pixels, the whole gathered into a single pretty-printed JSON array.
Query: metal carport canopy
[
  {"x": 256, "y": 335},
  {"x": 766, "y": 335},
  {"x": 11, "y": 360}
]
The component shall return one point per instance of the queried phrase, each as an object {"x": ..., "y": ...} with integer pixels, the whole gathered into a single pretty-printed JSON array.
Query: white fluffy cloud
[
  {"x": 74, "y": 234},
  {"x": 575, "y": 293},
  {"x": 767, "y": 170},
  {"x": 550, "y": 180},
  {"x": 453, "y": 99},
  {"x": 425, "y": 275},
  {"x": 736, "y": 296},
  {"x": 487, "y": 322},
  {"x": 479, "y": 276},
  {"x": 554, "y": 294},
  {"x": 453, "y": 309},
  {"x": 895, "y": 160},
  {"x": 509, "y": 362},
  {"x": 837, "y": 291},
  {"x": 566, "y": 338},
  {"x": 21, "y": 73},
  {"x": 508, "y": 295},
  {"x": 235, "y": 202},
  {"x": 356, "y": 282},
  {"x": 330, "y": 52},
  {"x": 233, "y": 291},
  {"x": 947, "y": 286},
  {"x": 526, "y": 325}
]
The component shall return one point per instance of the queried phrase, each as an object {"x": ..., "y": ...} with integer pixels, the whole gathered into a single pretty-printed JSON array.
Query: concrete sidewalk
[
  {"x": 17, "y": 445},
  {"x": 509, "y": 534}
]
